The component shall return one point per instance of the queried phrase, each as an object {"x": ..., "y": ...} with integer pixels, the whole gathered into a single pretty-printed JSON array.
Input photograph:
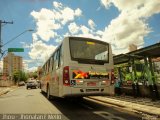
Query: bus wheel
[
  {"x": 42, "y": 92},
  {"x": 48, "y": 93}
]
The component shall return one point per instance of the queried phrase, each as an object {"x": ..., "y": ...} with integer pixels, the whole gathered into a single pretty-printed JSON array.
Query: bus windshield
[{"x": 89, "y": 51}]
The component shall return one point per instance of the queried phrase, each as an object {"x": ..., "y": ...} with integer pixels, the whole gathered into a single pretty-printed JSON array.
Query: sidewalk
[
  {"x": 132, "y": 105},
  {"x": 4, "y": 90}
]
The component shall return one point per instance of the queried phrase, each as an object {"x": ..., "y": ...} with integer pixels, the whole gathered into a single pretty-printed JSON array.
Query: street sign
[{"x": 15, "y": 49}]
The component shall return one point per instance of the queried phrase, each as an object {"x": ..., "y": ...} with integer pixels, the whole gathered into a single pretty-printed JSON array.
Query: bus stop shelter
[{"x": 147, "y": 54}]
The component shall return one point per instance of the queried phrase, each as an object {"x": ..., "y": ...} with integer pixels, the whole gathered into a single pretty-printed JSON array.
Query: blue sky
[{"x": 119, "y": 22}]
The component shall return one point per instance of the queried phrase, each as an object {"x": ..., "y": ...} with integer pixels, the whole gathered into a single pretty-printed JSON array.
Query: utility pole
[{"x": 1, "y": 45}]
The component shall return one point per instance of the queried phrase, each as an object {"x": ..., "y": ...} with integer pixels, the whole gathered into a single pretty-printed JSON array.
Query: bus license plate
[{"x": 91, "y": 84}]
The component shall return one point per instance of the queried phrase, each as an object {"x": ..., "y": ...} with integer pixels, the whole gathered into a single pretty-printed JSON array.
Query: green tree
[
  {"x": 19, "y": 76},
  {"x": 16, "y": 76},
  {"x": 35, "y": 75}
]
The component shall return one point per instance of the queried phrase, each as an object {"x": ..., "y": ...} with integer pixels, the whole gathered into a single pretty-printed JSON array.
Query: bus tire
[
  {"x": 42, "y": 91},
  {"x": 79, "y": 98}
]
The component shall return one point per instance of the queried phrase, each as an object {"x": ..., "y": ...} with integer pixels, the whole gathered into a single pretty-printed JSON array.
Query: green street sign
[{"x": 15, "y": 49}]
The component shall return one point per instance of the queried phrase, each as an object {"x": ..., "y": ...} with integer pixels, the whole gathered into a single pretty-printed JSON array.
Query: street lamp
[
  {"x": 29, "y": 30},
  {"x": 2, "y": 53}
]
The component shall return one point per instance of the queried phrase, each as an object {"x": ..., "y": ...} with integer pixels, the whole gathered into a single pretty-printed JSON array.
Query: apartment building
[
  {"x": 12, "y": 63},
  {"x": 132, "y": 47}
]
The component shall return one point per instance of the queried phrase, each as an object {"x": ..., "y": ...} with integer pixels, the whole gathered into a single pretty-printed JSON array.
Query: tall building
[
  {"x": 132, "y": 47},
  {"x": 11, "y": 63}
]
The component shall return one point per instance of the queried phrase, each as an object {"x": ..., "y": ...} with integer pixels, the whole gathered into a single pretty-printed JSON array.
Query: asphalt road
[{"x": 32, "y": 101}]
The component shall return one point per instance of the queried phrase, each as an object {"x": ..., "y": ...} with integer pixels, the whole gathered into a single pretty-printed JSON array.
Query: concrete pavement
[
  {"x": 133, "y": 104},
  {"x": 31, "y": 101},
  {"x": 143, "y": 108},
  {"x": 25, "y": 101}
]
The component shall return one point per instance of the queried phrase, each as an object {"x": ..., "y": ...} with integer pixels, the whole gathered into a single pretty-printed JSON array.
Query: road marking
[
  {"x": 108, "y": 115},
  {"x": 86, "y": 106}
]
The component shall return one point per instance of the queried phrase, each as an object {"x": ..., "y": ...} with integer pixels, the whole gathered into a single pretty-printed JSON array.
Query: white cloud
[
  {"x": 99, "y": 32},
  {"x": 78, "y": 12},
  {"x": 45, "y": 24},
  {"x": 59, "y": 39},
  {"x": 91, "y": 24},
  {"x": 119, "y": 51},
  {"x": 73, "y": 28},
  {"x": 25, "y": 67},
  {"x": 41, "y": 51},
  {"x": 67, "y": 34},
  {"x": 106, "y": 3},
  {"x": 145, "y": 6},
  {"x": 120, "y": 32},
  {"x": 48, "y": 21},
  {"x": 34, "y": 36},
  {"x": 89, "y": 35},
  {"x": 67, "y": 15},
  {"x": 131, "y": 24},
  {"x": 32, "y": 69},
  {"x": 25, "y": 45},
  {"x": 83, "y": 31},
  {"x": 57, "y": 4},
  {"x": 43, "y": 14},
  {"x": 29, "y": 62}
]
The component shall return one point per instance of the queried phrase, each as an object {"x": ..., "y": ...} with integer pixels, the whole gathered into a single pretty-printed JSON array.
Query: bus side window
[
  {"x": 60, "y": 57},
  {"x": 53, "y": 59},
  {"x": 42, "y": 71},
  {"x": 48, "y": 65},
  {"x": 45, "y": 69},
  {"x": 51, "y": 64},
  {"x": 57, "y": 59}
]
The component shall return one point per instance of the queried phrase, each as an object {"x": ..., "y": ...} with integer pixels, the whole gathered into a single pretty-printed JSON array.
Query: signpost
[{"x": 15, "y": 49}]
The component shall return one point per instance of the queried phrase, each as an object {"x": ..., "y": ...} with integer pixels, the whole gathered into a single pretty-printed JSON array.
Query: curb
[
  {"x": 5, "y": 91},
  {"x": 137, "y": 107}
]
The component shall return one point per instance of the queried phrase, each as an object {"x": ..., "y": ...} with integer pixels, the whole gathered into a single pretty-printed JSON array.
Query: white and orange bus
[{"x": 79, "y": 67}]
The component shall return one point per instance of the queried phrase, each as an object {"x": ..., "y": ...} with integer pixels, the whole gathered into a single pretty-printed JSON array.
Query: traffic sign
[{"x": 15, "y": 49}]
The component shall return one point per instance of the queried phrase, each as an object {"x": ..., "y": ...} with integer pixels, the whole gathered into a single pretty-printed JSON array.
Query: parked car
[
  {"x": 31, "y": 84},
  {"x": 21, "y": 83}
]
